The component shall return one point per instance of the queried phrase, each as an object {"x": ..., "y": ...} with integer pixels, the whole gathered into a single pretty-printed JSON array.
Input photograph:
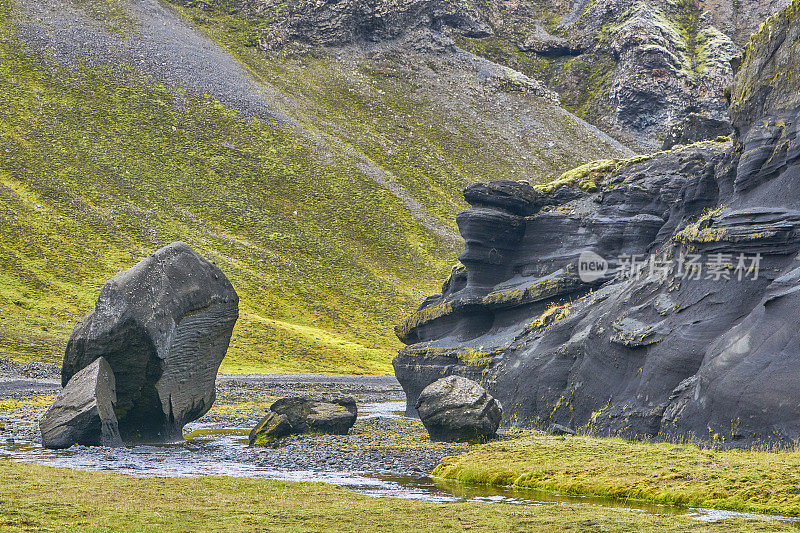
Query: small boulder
[
  {"x": 164, "y": 327},
  {"x": 335, "y": 416},
  {"x": 296, "y": 415},
  {"x": 558, "y": 429},
  {"x": 456, "y": 409},
  {"x": 83, "y": 413}
]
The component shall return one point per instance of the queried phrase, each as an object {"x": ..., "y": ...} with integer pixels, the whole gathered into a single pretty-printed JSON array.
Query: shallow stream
[{"x": 213, "y": 450}]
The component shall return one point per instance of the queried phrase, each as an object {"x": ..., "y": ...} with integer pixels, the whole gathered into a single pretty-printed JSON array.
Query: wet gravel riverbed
[
  {"x": 385, "y": 453},
  {"x": 382, "y": 442}
]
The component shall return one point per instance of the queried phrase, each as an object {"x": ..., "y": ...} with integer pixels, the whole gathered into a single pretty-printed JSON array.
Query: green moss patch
[
  {"x": 679, "y": 474},
  {"x": 38, "y": 498}
]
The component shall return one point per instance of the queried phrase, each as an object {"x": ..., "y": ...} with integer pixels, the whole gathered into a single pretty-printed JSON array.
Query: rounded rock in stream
[
  {"x": 164, "y": 327},
  {"x": 456, "y": 409}
]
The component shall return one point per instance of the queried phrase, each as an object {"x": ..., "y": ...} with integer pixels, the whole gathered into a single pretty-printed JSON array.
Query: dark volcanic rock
[
  {"x": 455, "y": 409},
  {"x": 83, "y": 413},
  {"x": 512, "y": 196},
  {"x": 300, "y": 414},
  {"x": 164, "y": 327},
  {"x": 273, "y": 426},
  {"x": 693, "y": 128},
  {"x": 699, "y": 342},
  {"x": 343, "y": 22},
  {"x": 336, "y": 416}
]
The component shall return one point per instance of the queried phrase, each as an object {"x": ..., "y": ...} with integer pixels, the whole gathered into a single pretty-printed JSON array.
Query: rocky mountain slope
[
  {"x": 652, "y": 298},
  {"x": 323, "y": 180},
  {"x": 636, "y": 68}
]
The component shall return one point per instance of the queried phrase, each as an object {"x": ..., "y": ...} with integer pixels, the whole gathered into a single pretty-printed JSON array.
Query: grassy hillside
[{"x": 101, "y": 166}]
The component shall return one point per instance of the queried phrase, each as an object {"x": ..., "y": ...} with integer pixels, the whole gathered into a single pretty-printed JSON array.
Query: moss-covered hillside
[{"x": 331, "y": 228}]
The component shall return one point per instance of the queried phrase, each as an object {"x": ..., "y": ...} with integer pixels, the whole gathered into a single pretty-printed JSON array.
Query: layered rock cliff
[{"x": 697, "y": 340}]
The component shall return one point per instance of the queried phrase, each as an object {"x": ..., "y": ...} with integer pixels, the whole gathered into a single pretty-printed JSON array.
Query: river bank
[{"x": 385, "y": 454}]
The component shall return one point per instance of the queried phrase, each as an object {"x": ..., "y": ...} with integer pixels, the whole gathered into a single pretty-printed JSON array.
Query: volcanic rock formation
[
  {"x": 691, "y": 332},
  {"x": 633, "y": 67},
  {"x": 164, "y": 327}
]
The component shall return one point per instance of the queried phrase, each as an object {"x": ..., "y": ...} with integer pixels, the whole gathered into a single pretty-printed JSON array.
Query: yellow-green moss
[
  {"x": 34, "y": 499},
  {"x": 113, "y": 14},
  {"x": 423, "y": 316},
  {"x": 538, "y": 291},
  {"x": 669, "y": 473},
  {"x": 37, "y": 402},
  {"x": 701, "y": 231},
  {"x": 550, "y": 316},
  {"x": 586, "y": 176},
  {"x": 588, "y": 98},
  {"x": 506, "y": 53}
]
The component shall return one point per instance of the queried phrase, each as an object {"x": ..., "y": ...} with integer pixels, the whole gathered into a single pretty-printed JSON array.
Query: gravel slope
[{"x": 159, "y": 43}]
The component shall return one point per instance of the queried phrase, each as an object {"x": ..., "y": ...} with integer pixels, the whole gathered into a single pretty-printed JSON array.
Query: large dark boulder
[
  {"x": 456, "y": 409},
  {"x": 296, "y": 415},
  {"x": 83, "y": 413},
  {"x": 164, "y": 327}
]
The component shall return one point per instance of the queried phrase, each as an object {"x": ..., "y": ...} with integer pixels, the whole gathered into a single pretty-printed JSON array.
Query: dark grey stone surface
[
  {"x": 296, "y": 415},
  {"x": 455, "y": 409},
  {"x": 708, "y": 356},
  {"x": 164, "y": 327},
  {"x": 83, "y": 413}
]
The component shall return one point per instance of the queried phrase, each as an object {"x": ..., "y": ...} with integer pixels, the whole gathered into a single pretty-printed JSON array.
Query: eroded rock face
[
  {"x": 83, "y": 413},
  {"x": 705, "y": 354},
  {"x": 694, "y": 128},
  {"x": 296, "y": 415},
  {"x": 164, "y": 327},
  {"x": 455, "y": 409},
  {"x": 635, "y": 68},
  {"x": 338, "y": 23}
]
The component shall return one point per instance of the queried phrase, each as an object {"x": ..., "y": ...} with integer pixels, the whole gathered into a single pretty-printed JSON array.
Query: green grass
[
  {"x": 681, "y": 474},
  {"x": 100, "y": 167},
  {"x": 39, "y": 498}
]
